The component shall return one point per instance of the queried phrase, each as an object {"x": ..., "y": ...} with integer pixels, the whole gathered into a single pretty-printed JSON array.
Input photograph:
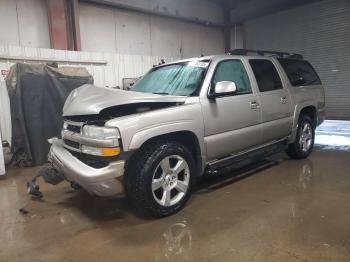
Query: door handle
[
  {"x": 283, "y": 99},
  {"x": 254, "y": 104}
]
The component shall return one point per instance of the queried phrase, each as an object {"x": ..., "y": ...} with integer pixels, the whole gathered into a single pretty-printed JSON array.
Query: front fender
[
  {"x": 142, "y": 136},
  {"x": 137, "y": 129}
]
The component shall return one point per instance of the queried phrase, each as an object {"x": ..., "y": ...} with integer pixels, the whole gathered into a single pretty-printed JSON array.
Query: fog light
[{"x": 106, "y": 151}]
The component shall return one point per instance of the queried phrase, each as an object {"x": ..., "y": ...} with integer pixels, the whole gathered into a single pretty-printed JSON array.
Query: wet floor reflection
[
  {"x": 275, "y": 210},
  {"x": 175, "y": 243},
  {"x": 306, "y": 174}
]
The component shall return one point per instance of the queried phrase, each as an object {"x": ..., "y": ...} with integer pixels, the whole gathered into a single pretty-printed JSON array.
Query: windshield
[{"x": 178, "y": 79}]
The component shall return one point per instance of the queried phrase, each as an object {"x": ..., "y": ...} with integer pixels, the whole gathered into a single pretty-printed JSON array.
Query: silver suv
[{"x": 185, "y": 119}]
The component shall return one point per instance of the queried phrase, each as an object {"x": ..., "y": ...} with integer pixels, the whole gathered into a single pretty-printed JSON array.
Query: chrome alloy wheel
[
  {"x": 170, "y": 180},
  {"x": 305, "y": 139}
]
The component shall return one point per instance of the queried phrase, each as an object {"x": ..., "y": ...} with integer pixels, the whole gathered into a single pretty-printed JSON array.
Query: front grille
[
  {"x": 85, "y": 119},
  {"x": 93, "y": 161},
  {"x": 71, "y": 144},
  {"x": 73, "y": 128}
]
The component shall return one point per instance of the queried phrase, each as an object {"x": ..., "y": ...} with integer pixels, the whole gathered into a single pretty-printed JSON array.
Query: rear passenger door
[{"x": 274, "y": 99}]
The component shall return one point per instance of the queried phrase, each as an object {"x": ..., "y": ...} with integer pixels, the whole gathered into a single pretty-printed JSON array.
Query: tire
[
  {"x": 153, "y": 186},
  {"x": 304, "y": 141}
]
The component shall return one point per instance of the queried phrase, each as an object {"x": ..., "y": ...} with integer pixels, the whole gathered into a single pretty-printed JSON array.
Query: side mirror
[{"x": 224, "y": 88}]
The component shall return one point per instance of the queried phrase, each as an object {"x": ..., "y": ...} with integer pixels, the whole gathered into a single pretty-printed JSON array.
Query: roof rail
[{"x": 265, "y": 53}]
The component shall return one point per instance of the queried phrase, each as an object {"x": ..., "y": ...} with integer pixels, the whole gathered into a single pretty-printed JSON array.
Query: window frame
[
  {"x": 215, "y": 70},
  {"x": 277, "y": 71},
  {"x": 299, "y": 60}
]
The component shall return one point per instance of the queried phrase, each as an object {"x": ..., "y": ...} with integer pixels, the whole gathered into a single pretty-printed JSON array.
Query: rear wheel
[
  {"x": 159, "y": 178},
  {"x": 304, "y": 141}
]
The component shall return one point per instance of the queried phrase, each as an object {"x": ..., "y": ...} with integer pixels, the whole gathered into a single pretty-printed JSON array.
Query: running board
[{"x": 254, "y": 153}]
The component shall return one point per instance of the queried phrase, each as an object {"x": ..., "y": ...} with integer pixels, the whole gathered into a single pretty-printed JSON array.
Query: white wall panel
[
  {"x": 192, "y": 39},
  {"x": 33, "y": 23},
  {"x": 213, "y": 41},
  {"x": 103, "y": 29},
  {"x": 24, "y": 22},
  {"x": 8, "y": 16},
  {"x": 108, "y": 69},
  {"x": 165, "y": 37},
  {"x": 133, "y": 33},
  {"x": 97, "y": 29},
  {"x": 112, "y": 30}
]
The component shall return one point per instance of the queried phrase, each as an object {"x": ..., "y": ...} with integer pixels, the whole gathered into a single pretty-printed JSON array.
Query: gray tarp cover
[{"x": 37, "y": 95}]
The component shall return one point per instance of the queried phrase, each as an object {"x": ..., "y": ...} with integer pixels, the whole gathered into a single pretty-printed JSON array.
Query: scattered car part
[
  {"x": 50, "y": 176},
  {"x": 23, "y": 211},
  {"x": 33, "y": 188}
]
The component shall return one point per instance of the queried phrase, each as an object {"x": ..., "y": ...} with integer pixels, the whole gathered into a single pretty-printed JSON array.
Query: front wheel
[
  {"x": 304, "y": 141},
  {"x": 160, "y": 177}
]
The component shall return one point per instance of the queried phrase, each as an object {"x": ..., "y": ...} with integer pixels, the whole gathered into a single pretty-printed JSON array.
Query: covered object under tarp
[{"x": 37, "y": 94}]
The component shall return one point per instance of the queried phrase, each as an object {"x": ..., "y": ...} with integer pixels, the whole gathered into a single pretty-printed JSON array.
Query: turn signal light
[
  {"x": 114, "y": 151},
  {"x": 105, "y": 151}
]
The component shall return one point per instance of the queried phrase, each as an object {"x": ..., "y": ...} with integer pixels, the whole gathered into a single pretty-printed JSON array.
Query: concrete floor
[{"x": 280, "y": 210}]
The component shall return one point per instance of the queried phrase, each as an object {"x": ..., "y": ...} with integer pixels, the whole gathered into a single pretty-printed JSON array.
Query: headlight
[
  {"x": 107, "y": 151},
  {"x": 98, "y": 132}
]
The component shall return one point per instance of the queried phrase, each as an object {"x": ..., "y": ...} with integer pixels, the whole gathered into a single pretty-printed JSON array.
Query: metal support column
[
  {"x": 58, "y": 25},
  {"x": 64, "y": 24},
  {"x": 227, "y": 28}
]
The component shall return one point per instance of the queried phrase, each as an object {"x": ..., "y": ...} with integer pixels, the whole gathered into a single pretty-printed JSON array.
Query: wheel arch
[
  {"x": 186, "y": 137},
  {"x": 308, "y": 109}
]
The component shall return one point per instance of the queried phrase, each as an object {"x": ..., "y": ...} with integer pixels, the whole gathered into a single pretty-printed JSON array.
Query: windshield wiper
[{"x": 160, "y": 93}]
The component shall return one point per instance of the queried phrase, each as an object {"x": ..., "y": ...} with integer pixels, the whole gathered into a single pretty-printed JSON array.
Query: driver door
[{"x": 232, "y": 122}]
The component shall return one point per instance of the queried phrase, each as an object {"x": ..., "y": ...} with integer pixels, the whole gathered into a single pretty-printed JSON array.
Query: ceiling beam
[
  {"x": 256, "y": 8},
  {"x": 131, "y": 8}
]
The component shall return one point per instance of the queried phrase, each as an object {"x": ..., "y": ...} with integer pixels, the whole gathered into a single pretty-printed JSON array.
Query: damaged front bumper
[{"x": 106, "y": 181}]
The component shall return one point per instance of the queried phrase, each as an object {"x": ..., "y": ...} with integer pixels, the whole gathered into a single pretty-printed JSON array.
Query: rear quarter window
[{"x": 300, "y": 72}]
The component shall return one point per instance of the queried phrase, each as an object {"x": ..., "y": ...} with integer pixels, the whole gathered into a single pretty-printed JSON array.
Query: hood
[{"x": 90, "y": 100}]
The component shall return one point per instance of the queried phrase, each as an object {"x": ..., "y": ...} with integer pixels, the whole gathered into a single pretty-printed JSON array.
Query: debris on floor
[
  {"x": 49, "y": 174},
  {"x": 23, "y": 211}
]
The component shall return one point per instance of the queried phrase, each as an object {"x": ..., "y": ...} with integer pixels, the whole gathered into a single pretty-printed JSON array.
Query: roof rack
[{"x": 265, "y": 53}]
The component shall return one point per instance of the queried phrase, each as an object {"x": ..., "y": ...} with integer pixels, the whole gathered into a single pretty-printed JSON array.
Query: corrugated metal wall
[
  {"x": 107, "y": 69},
  {"x": 321, "y": 32}
]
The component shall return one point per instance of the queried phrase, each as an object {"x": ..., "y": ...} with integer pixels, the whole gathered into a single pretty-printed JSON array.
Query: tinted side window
[
  {"x": 233, "y": 70},
  {"x": 266, "y": 75},
  {"x": 300, "y": 72}
]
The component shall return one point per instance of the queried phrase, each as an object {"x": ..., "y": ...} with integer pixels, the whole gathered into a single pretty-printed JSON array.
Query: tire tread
[{"x": 137, "y": 177}]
